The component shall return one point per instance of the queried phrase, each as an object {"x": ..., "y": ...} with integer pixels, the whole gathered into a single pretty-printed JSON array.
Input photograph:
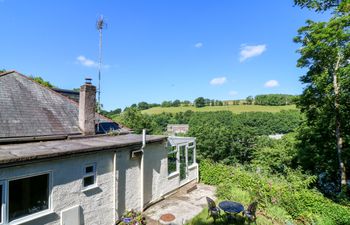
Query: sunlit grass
[{"x": 232, "y": 108}]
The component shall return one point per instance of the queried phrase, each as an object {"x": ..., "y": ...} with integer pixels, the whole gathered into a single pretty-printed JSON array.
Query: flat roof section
[{"x": 18, "y": 153}]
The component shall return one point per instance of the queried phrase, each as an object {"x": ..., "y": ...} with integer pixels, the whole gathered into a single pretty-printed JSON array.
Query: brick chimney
[{"x": 87, "y": 107}]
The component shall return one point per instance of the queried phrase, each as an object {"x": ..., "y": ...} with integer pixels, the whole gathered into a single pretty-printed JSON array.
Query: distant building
[
  {"x": 174, "y": 129},
  {"x": 62, "y": 163},
  {"x": 276, "y": 136}
]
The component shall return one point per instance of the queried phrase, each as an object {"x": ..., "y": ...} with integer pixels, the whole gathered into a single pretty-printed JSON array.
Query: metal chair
[
  {"x": 213, "y": 210},
  {"x": 250, "y": 213}
]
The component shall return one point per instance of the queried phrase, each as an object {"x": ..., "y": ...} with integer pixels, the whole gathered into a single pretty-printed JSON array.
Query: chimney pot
[{"x": 88, "y": 80}]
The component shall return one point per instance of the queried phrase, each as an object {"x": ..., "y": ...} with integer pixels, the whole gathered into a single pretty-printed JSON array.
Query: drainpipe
[
  {"x": 115, "y": 185},
  {"x": 142, "y": 167}
]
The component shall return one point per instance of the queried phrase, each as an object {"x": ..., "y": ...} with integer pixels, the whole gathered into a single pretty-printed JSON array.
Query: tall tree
[
  {"x": 325, "y": 52},
  {"x": 323, "y": 5}
]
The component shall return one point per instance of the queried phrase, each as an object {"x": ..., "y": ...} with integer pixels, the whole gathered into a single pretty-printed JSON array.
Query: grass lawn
[{"x": 232, "y": 108}]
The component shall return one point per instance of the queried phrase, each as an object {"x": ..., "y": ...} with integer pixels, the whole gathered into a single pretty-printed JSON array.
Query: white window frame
[
  {"x": 3, "y": 205},
  {"x": 193, "y": 146},
  {"x": 93, "y": 173},
  {"x": 29, "y": 217},
  {"x": 176, "y": 172}
]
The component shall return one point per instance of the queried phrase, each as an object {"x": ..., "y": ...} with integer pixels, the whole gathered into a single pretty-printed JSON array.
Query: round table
[{"x": 231, "y": 207}]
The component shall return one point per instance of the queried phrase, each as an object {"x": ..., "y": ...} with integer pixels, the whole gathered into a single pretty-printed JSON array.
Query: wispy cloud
[
  {"x": 249, "y": 51},
  {"x": 271, "y": 83},
  {"x": 198, "y": 45},
  {"x": 218, "y": 81},
  {"x": 233, "y": 93},
  {"x": 82, "y": 60}
]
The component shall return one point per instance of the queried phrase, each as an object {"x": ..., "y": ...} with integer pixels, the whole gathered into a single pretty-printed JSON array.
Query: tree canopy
[{"x": 325, "y": 52}]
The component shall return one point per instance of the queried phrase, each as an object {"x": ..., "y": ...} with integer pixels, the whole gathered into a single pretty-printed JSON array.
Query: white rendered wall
[
  {"x": 127, "y": 183},
  {"x": 157, "y": 183},
  {"x": 97, "y": 204}
]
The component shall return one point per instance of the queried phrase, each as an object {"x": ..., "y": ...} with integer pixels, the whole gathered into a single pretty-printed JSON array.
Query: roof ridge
[{"x": 8, "y": 72}]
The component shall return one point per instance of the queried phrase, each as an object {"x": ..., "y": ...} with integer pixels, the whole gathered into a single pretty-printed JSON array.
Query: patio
[{"x": 183, "y": 205}]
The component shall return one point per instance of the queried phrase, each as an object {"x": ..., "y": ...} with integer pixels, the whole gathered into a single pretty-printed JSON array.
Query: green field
[{"x": 232, "y": 108}]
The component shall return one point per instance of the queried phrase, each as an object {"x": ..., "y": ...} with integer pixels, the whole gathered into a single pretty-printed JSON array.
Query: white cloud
[
  {"x": 271, "y": 83},
  {"x": 233, "y": 93},
  {"x": 249, "y": 51},
  {"x": 218, "y": 81},
  {"x": 82, "y": 60},
  {"x": 86, "y": 62},
  {"x": 198, "y": 45}
]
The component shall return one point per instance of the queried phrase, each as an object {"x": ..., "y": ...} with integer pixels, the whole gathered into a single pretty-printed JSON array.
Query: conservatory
[{"x": 182, "y": 158}]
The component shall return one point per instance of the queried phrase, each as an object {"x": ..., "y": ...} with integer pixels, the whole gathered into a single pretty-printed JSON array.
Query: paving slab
[{"x": 184, "y": 206}]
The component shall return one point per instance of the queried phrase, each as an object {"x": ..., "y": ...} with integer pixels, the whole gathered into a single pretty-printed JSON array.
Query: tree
[
  {"x": 318, "y": 5},
  {"x": 142, "y": 105},
  {"x": 176, "y": 103},
  {"x": 325, "y": 52},
  {"x": 199, "y": 102},
  {"x": 249, "y": 100},
  {"x": 43, "y": 82},
  {"x": 166, "y": 104}
]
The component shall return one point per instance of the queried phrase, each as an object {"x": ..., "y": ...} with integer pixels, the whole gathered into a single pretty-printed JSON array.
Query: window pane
[
  {"x": 171, "y": 148},
  {"x": 89, "y": 169},
  {"x": 171, "y": 163},
  {"x": 89, "y": 181},
  {"x": 28, "y": 195},
  {"x": 190, "y": 152}
]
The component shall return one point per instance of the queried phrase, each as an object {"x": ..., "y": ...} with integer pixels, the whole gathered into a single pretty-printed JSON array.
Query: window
[
  {"x": 190, "y": 153},
  {"x": 89, "y": 179},
  {"x": 27, "y": 196},
  {"x": 172, "y": 159},
  {"x": 2, "y": 202}
]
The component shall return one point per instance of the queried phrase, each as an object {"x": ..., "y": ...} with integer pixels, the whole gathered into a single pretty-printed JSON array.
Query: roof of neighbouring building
[
  {"x": 29, "y": 109},
  {"x": 74, "y": 95},
  {"x": 13, "y": 154}
]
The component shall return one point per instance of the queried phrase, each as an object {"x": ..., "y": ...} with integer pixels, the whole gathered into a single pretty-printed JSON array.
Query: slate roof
[{"x": 28, "y": 109}]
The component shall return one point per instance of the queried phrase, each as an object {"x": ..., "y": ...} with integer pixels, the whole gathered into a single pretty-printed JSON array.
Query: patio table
[{"x": 231, "y": 208}]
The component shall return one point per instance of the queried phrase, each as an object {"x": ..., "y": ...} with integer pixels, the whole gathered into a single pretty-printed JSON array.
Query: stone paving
[{"x": 184, "y": 205}]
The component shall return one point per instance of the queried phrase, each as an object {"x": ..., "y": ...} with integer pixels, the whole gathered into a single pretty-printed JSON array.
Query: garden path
[{"x": 184, "y": 204}]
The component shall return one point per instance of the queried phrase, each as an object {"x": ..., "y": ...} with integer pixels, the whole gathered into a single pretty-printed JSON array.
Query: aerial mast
[{"x": 100, "y": 25}]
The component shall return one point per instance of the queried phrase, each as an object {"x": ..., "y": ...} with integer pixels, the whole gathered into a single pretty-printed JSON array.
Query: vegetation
[
  {"x": 274, "y": 99},
  {"x": 43, "y": 82},
  {"x": 325, "y": 100},
  {"x": 232, "y": 108},
  {"x": 287, "y": 198},
  {"x": 133, "y": 217}
]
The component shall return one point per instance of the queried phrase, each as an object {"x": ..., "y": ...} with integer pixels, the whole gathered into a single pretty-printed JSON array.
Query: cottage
[{"x": 62, "y": 163}]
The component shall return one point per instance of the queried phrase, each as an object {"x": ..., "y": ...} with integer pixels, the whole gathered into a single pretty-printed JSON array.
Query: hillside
[{"x": 232, "y": 108}]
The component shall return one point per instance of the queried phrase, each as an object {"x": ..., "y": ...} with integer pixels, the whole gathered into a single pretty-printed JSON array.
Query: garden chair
[
  {"x": 213, "y": 210},
  {"x": 250, "y": 213}
]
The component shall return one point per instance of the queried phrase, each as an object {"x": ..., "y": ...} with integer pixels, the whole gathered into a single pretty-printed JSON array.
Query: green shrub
[{"x": 283, "y": 198}]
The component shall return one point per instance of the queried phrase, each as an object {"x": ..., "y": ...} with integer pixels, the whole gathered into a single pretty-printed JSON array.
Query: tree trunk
[{"x": 341, "y": 169}]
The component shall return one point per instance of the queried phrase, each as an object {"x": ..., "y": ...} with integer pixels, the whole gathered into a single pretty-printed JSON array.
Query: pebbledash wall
[
  {"x": 66, "y": 177},
  {"x": 98, "y": 205}
]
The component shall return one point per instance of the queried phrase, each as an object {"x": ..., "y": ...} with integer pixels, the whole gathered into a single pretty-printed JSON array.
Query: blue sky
[{"x": 157, "y": 50}]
